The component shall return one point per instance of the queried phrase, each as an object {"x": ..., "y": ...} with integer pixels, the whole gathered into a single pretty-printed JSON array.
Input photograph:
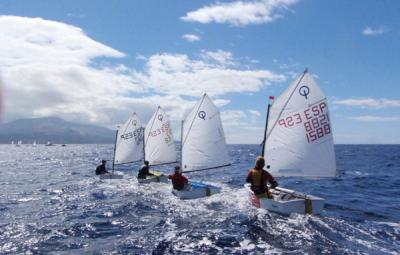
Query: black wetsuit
[
  {"x": 101, "y": 169},
  {"x": 143, "y": 172}
]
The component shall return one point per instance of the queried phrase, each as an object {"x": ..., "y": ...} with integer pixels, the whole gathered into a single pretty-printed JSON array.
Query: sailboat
[
  {"x": 12, "y": 142},
  {"x": 159, "y": 146},
  {"x": 19, "y": 143},
  {"x": 298, "y": 142},
  {"x": 128, "y": 146},
  {"x": 203, "y": 146},
  {"x": 34, "y": 143}
]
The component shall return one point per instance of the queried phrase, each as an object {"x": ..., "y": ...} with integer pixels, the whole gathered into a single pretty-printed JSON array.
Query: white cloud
[
  {"x": 191, "y": 37},
  {"x": 52, "y": 69},
  {"x": 141, "y": 57},
  {"x": 241, "y": 118},
  {"x": 224, "y": 58},
  {"x": 254, "y": 113},
  {"x": 368, "y": 31},
  {"x": 374, "y": 118},
  {"x": 233, "y": 117},
  {"x": 213, "y": 72},
  {"x": 240, "y": 13},
  {"x": 47, "y": 68},
  {"x": 243, "y": 126},
  {"x": 369, "y": 102}
]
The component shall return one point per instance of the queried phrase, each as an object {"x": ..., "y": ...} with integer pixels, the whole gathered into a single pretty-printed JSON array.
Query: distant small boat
[
  {"x": 34, "y": 144},
  {"x": 63, "y": 145},
  {"x": 49, "y": 143},
  {"x": 19, "y": 143},
  {"x": 12, "y": 142}
]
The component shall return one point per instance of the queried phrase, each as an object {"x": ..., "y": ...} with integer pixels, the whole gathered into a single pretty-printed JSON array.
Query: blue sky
[{"x": 97, "y": 61}]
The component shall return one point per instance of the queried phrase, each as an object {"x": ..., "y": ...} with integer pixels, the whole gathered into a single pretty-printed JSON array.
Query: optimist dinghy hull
[
  {"x": 111, "y": 176},
  {"x": 286, "y": 201},
  {"x": 197, "y": 190},
  {"x": 157, "y": 177}
]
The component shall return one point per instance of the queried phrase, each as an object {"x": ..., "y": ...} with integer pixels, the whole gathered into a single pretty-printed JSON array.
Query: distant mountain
[{"x": 55, "y": 130}]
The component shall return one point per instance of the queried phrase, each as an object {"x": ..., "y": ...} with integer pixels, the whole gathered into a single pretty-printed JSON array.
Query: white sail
[
  {"x": 159, "y": 142},
  {"x": 129, "y": 143},
  {"x": 203, "y": 139},
  {"x": 299, "y": 139}
]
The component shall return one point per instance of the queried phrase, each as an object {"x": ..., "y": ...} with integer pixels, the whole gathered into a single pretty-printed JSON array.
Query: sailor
[
  {"x": 144, "y": 171},
  {"x": 258, "y": 178},
  {"x": 179, "y": 181},
  {"x": 101, "y": 169}
]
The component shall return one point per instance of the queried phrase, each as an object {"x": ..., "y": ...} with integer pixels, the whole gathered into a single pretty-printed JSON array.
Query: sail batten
[
  {"x": 203, "y": 143},
  {"x": 299, "y": 139}
]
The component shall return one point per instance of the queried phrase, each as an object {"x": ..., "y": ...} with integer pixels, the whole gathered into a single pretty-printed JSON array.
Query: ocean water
[{"x": 51, "y": 203}]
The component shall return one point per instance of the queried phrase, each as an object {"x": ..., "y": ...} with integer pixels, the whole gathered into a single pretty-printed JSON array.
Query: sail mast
[
  {"x": 181, "y": 143},
  {"x": 115, "y": 147},
  {"x": 144, "y": 145},
  {"x": 266, "y": 125}
]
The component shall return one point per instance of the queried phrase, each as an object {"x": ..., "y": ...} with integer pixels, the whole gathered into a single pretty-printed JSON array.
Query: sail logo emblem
[
  {"x": 202, "y": 115},
  {"x": 160, "y": 117},
  {"x": 304, "y": 91},
  {"x": 134, "y": 122}
]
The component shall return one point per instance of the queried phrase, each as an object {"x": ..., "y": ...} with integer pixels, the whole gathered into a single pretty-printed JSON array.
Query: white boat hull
[
  {"x": 157, "y": 177},
  {"x": 197, "y": 190},
  {"x": 111, "y": 176},
  {"x": 286, "y": 201}
]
